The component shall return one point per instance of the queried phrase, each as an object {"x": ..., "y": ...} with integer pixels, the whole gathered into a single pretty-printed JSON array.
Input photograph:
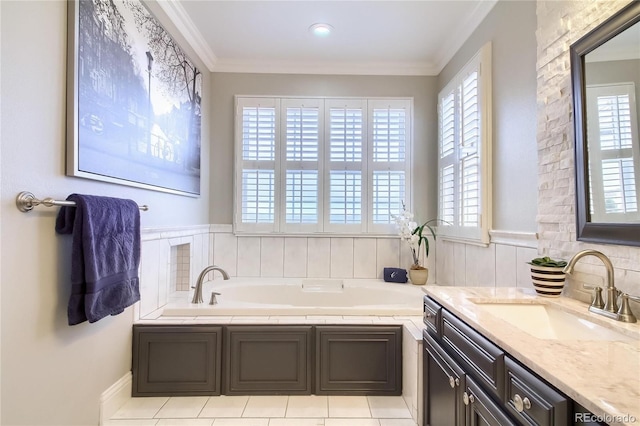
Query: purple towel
[{"x": 105, "y": 255}]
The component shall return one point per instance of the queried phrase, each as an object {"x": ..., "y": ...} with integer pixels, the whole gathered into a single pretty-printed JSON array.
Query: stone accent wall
[{"x": 560, "y": 23}]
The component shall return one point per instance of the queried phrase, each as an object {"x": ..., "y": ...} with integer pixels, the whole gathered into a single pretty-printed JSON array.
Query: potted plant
[
  {"x": 416, "y": 236},
  {"x": 548, "y": 276}
]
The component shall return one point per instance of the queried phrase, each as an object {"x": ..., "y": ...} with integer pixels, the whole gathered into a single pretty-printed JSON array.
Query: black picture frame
[{"x": 133, "y": 100}]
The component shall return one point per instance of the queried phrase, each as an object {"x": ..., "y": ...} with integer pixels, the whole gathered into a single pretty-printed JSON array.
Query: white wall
[
  {"x": 53, "y": 374},
  {"x": 510, "y": 27}
]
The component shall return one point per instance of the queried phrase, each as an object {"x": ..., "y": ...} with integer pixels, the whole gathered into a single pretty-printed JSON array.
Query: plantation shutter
[
  {"x": 464, "y": 190},
  {"x": 345, "y": 155},
  {"x": 613, "y": 160},
  {"x": 301, "y": 159},
  {"x": 257, "y": 163},
  {"x": 390, "y": 134}
]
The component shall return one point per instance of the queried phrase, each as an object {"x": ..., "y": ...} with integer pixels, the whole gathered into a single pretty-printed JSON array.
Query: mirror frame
[{"x": 607, "y": 233}]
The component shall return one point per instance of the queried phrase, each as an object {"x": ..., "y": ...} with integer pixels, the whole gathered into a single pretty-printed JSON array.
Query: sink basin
[{"x": 549, "y": 322}]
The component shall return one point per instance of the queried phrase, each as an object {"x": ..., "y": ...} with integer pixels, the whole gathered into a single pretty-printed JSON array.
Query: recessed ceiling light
[{"x": 321, "y": 30}]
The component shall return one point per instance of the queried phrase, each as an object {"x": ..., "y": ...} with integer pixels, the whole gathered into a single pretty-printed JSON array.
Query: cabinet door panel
[
  {"x": 268, "y": 360},
  {"x": 482, "y": 410},
  {"x": 444, "y": 382},
  {"x": 176, "y": 360},
  {"x": 359, "y": 360}
]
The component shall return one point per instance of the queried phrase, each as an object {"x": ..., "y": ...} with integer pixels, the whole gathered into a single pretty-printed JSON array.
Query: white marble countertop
[{"x": 602, "y": 375}]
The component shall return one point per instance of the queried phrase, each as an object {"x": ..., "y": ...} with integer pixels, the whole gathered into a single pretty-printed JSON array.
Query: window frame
[
  {"x": 480, "y": 62},
  {"x": 323, "y": 227}
]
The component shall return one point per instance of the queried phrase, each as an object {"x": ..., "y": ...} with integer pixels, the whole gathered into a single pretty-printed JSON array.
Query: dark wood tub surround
[{"x": 174, "y": 360}]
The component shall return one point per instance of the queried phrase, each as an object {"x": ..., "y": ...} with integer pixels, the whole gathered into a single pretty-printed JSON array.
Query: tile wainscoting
[{"x": 172, "y": 258}]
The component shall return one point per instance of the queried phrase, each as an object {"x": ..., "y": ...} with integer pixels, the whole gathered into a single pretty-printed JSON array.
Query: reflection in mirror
[
  {"x": 612, "y": 76},
  {"x": 605, "y": 71}
]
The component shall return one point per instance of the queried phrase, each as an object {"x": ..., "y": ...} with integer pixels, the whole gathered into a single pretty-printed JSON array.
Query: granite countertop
[{"x": 602, "y": 375}]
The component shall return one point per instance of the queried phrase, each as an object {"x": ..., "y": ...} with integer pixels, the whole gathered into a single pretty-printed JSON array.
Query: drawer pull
[
  {"x": 428, "y": 315},
  {"x": 453, "y": 382},
  {"x": 521, "y": 404},
  {"x": 465, "y": 398}
]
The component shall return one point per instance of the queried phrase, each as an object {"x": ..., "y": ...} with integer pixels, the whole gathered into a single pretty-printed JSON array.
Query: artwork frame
[{"x": 133, "y": 100}]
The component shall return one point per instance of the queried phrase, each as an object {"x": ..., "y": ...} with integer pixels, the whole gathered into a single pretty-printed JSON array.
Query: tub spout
[{"x": 197, "y": 294}]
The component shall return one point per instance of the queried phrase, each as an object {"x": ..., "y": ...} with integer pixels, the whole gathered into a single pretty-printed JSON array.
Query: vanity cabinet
[
  {"x": 468, "y": 380},
  {"x": 176, "y": 360}
]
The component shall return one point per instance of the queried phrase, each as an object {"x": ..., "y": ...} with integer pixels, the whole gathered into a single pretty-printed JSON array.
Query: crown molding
[
  {"x": 461, "y": 34},
  {"x": 179, "y": 17},
  {"x": 324, "y": 67}
]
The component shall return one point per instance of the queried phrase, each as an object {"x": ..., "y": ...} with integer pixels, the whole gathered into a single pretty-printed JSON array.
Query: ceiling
[{"x": 370, "y": 37}]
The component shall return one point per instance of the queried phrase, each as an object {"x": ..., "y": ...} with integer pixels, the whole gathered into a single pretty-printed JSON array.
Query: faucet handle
[
  {"x": 213, "y": 300},
  {"x": 624, "y": 312},
  {"x": 596, "y": 297}
]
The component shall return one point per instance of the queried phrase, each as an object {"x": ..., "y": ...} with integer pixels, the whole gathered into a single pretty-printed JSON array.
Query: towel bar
[{"x": 26, "y": 201}]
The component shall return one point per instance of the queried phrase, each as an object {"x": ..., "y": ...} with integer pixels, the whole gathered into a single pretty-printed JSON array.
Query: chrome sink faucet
[
  {"x": 197, "y": 294},
  {"x": 610, "y": 307},
  {"x": 611, "y": 304}
]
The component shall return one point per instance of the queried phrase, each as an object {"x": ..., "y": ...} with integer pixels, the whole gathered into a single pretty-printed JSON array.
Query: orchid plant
[{"x": 414, "y": 234}]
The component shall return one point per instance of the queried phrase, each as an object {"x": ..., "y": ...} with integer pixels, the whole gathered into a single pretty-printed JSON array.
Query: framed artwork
[{"x": 133, "y": 100}]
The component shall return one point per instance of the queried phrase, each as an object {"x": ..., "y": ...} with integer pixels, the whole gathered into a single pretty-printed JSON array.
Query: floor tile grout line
[{"x": 161, "y": 407}]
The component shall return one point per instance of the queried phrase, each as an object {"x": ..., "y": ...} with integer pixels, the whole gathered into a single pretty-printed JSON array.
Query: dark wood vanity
[{"x": 468, "y": 380}]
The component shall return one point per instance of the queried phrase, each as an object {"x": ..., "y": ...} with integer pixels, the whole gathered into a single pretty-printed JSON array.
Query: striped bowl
[{"x": 548, "y": 281}]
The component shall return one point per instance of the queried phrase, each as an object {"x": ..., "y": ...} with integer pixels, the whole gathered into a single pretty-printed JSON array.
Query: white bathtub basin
[
  {"x": 549, "y": 322},
  {"x": 282, "y": 296}
]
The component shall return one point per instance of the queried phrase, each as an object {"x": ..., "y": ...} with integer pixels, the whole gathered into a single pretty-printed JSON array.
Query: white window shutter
[
  {"x": 614, "y": 161},
  {"x": 302, "y": 185},
  {"x": 346, "y": 176},
  {"x": 256, "y": 165},
  {"x": 321, "y": 165},
  {"x": 390, "y": 131},
  {"x": 464, "y": 161}
]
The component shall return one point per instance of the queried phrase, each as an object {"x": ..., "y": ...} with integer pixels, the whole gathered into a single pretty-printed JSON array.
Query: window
[
  {"x": 614, "y": 162},
  {"x": 321, "y": 165},
  {"x": 464, "y": 154}
]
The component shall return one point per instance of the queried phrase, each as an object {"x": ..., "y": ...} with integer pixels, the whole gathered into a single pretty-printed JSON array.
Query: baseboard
[{"x": 115, "y": 397}]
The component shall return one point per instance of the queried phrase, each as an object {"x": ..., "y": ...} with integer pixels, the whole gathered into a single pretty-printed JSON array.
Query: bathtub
[{"x": 287, "y": 296}]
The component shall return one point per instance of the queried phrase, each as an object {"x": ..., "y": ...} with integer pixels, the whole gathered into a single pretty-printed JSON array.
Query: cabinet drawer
[
  {"x": 532, "y": 401},
  {"x": 480, "y": 357},
  {"x": 431, "y": 312}
]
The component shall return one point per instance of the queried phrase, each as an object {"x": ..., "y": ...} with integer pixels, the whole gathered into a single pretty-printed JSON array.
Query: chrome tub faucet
[{"x": 197, "y": 294}]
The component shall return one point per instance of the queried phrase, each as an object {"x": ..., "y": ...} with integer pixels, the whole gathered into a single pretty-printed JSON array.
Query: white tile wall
[
  {"x": 271, "y": 257},
  {"x": 341, "y": 257},
  {"x": 318, "y": 257}
]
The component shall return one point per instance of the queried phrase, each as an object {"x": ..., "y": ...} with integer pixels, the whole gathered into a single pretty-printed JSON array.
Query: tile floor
[{"x": 278, "y": 410}]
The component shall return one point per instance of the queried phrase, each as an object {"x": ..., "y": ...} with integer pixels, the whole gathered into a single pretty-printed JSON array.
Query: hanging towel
[{"x": 105, "y": 255}]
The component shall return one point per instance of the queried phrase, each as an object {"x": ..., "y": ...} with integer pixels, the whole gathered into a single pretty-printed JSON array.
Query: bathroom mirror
[{"x": 605, "y": 73}]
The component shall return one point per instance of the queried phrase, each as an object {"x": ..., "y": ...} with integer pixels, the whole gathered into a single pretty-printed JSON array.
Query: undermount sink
[{"x": 549, "y": 322}]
